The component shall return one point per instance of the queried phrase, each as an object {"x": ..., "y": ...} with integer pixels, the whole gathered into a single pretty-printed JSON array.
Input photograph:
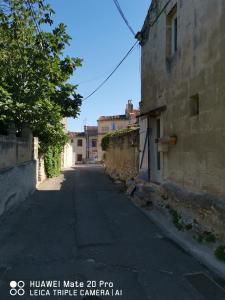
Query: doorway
[
  {"x": 79, "y": 157},
  {"x": 155, "y": 155}
]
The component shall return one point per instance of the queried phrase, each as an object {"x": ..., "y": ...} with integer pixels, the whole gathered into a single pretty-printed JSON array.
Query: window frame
[
  {"x": 79, "y": 143},
  {"x": 171, "y": 33}
]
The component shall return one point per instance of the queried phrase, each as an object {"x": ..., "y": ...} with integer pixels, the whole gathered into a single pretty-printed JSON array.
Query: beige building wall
[
  {"x": 193, "y": 76},
  {"x": 78, "y": 151},
  {"x": 67, "y": 156}
]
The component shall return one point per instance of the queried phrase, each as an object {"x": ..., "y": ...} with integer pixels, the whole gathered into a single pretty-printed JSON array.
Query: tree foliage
[{"x": 34, "y": 72}]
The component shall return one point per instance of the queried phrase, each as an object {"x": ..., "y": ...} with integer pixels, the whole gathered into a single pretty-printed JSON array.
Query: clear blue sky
[{"x": 101, "y": 38}]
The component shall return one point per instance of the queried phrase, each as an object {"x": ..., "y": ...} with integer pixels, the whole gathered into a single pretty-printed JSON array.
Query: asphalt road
[{"x": 83, "y": 227}]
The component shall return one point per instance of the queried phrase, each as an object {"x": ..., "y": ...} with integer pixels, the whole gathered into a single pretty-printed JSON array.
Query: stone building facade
[
  {"x": 107, "y": 124},
  {"x": 182, "y": 134}
]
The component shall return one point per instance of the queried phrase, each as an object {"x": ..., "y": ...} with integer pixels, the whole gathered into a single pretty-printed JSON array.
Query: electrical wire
[
  {"x": 162, "y": 10},
  {"x": 101, "y": 84},
  {"x": 123, "y": 16},
  {"x": 151, "y": 25}
]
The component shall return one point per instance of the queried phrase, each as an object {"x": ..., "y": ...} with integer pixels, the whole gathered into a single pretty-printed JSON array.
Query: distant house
[
  {"x": 109, "y": 123},
  {"x": 82, "y": 146},
  {"x": 77, "y": 143},
  {"x": 91, "y": 135}
]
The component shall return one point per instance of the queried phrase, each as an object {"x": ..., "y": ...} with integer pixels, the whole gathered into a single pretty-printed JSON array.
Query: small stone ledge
[
  {"x": 208, "y": 210},
  {"x": 157, "y": 206},
  {"x": 203, "y": 200}
]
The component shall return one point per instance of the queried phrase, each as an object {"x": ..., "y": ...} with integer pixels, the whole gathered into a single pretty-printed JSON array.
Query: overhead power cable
[
  {"x": 123, "y": 16},
  {"x": 159, "y": 14},
  {"x": 101, "y": 84},
  {"x": 151, "y": 25}
]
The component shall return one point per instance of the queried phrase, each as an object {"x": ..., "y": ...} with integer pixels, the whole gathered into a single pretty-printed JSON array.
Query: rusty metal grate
[{"x": 206, "y": 286}]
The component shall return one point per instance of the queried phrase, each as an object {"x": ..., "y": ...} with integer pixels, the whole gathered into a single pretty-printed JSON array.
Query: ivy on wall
[
  {"x": 115, "y": 133},
  {"x": 52, "y": 159}
]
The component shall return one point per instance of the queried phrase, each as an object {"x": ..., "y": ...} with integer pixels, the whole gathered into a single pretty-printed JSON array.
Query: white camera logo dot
[{"x": 13, "y": 284}]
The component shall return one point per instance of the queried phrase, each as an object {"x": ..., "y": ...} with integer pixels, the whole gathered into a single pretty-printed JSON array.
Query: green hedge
[{"x": 52, "y": 159}]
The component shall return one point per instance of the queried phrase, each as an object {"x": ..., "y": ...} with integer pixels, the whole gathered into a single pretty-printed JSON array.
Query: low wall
[
  {"x": 122, "y": 155},
  {"x": 16, "y": 184},
  {"x": 15, "y": 150}
]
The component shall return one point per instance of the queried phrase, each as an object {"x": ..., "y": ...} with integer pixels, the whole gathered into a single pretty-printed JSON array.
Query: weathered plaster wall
[
  {"x": 14, "y": 150},
  {"x": 197, "y": 162},
  {"x": 41, "y": 173},
  {"x": 122, "y": 156},
  {"x": 16, "y": 184},
  {"x": 67, "y": 156}
]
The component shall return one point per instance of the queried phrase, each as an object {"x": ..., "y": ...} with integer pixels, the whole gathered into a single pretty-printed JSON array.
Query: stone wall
[
  {"x": 122, "y": 156},
  {"x": 16, "y": 184},
  {"x": 15, "y": 150},
  {"x": 21, "y": 168},
  {"x": 202, "y": 208},
  {"x": 105, "y": 126}
]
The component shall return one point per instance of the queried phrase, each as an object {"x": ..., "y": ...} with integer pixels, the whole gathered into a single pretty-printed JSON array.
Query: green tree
[{"x": 34, "y": 73}]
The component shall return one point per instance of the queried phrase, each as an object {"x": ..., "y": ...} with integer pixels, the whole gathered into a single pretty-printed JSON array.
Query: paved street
[{"x": 83, "y": 227}]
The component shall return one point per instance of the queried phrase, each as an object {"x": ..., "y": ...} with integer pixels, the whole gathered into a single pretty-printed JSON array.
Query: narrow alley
[{"x": 81, "y": 226}]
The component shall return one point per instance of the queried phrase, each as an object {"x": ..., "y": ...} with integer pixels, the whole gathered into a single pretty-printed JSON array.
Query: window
[
  {"x": 79, "y": 143},
  {"x": 105, "y": 128},
  {"x": 174, "y": 35},
  {"x": 79, "y": 157},
  {"x": 94, "y": 143},
  {"x": 194, "y": 105},
  {"x": 171, "y": 32},
  {"x": 113, "y": 126}
]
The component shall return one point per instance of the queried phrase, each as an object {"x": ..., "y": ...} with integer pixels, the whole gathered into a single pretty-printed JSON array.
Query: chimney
[{"x": 129, "y": 108}]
